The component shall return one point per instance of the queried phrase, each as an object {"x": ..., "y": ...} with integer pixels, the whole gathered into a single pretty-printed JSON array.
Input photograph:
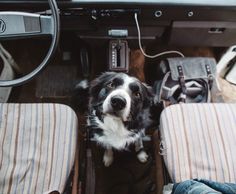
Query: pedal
[
  {"x": 118, "y": 56},
  {"x": 85, "y": 63}
]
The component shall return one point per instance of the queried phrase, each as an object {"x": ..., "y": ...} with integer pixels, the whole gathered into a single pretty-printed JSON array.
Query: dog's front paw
[
  {"x": 107, "y": 158},
  {"x": 142, "y": 156}
]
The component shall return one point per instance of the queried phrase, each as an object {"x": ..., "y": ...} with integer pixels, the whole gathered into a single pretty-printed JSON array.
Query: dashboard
[
  {"x": 178, "y": 22},
  {"x": 170, "y": 2}
]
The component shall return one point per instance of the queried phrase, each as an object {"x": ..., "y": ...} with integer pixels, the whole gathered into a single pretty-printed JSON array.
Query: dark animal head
[{"x": 122, "y": 96}]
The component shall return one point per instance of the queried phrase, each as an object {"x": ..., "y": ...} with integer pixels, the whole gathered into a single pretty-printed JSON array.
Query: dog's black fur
[{"x": 142, "y": 113}]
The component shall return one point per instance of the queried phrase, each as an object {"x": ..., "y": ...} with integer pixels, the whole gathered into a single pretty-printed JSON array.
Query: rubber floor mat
[{"x": 56, "y": 82}]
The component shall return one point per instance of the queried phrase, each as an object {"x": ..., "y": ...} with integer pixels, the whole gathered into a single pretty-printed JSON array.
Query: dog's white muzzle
[{"x": 118, "y": 103}]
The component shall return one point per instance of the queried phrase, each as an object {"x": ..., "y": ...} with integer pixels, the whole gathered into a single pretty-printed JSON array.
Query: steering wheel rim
[{"x": 50, "y": 54}]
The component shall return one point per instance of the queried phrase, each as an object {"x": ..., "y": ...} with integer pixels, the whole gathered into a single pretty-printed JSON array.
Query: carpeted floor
[
  {"x": 126, "y": 175},
  {"x": 56, "y": 81}
]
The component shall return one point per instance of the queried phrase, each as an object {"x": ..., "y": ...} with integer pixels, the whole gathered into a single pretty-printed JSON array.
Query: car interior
[{"x": 184, "y": 49}]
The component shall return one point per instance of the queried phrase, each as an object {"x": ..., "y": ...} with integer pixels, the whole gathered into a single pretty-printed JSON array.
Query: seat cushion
[
  {"x": 199, "y": 141},
  {"x": 37, "y": 147}
]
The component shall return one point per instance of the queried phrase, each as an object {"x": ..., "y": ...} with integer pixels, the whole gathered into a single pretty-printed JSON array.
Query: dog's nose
[{"x": 118, "y": 102}]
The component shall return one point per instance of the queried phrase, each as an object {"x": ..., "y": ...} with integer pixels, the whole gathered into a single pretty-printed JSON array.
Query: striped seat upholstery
[
  {"x": 37, "y": 147},
  {"x": 199, "y": 141}
]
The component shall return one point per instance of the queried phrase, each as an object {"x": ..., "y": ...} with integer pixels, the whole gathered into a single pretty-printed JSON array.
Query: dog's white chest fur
[{"x": 115, "y": 133}]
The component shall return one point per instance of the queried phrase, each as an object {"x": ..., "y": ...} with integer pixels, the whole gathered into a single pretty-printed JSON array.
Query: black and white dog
[{"x": 119, "y": 113}]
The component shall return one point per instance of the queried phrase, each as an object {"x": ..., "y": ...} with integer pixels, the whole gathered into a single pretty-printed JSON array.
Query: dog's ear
[
  {"x": 148, "y": 94},
  {"x": 80, "y": 96},
  {"x": 97, "y": 84}
]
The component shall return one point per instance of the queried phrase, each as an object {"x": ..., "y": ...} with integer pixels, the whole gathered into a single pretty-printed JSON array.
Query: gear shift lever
[
  {"x": 118, "y": 48},
  {"x": 118, "y": 55}
]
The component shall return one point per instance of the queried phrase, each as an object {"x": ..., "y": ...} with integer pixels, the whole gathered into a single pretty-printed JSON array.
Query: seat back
[
  {"x": 199, "y": 141},
  {"x": 37, "y": 147}
]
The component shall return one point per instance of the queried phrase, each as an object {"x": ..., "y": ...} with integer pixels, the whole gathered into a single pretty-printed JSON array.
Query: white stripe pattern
[
  {"x": 200, "y": 141},
  {"x": 37, "y": 147}
]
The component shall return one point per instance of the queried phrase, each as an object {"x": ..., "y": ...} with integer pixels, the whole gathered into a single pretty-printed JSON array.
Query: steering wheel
[{"x": 20, "y": 25}]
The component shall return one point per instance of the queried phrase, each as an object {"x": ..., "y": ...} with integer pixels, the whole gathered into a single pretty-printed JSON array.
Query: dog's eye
[
  {"x": 137, "y": 94},
  {"x": 111, "y": 85}
]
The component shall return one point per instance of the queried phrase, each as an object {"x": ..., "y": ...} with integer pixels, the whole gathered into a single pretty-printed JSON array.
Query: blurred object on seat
[
  {"x": 224, "y": 63},
  {"x": 231, "y": 75},
  {"x": 228, "y": 90}
]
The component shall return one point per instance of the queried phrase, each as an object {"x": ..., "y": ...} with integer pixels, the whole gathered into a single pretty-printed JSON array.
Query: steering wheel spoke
[{"x": 24, "y": 25}]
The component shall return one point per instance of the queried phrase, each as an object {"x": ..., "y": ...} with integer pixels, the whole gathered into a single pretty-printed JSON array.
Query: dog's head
[{"x": 120, "y": 95}]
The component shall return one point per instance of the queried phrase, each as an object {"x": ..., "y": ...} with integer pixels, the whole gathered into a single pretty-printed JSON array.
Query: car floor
[{"x": 126, "y": 175}]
